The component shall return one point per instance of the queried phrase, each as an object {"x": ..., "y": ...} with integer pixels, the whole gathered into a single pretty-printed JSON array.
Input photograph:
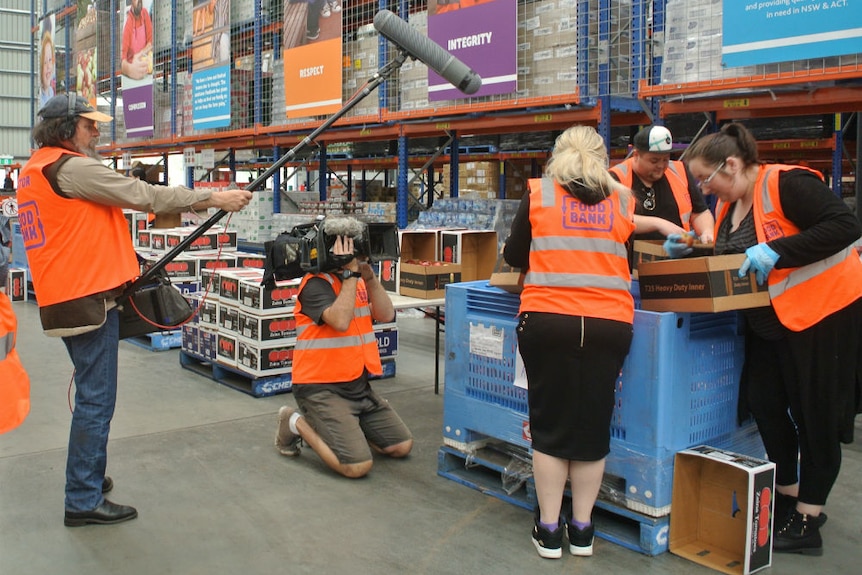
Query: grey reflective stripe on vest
[
  {"x": 598, "y": 245},
  {"x": 804, "y": 273},
  {"x": 7, "y": 344},
  {"x": 336, "y": 342},
  {"x": 576, "y": 281},
  {"x": 623, "y": 168},
  {"x": 765, "y": 198},
  {"x": 357, "y": 312},
  {"x": 549, "y": 194}
]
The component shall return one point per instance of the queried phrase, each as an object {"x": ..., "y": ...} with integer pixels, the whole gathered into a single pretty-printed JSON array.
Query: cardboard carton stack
[
  {"x": 359, "y": 67},
  {"x": 476, "y": 180}
]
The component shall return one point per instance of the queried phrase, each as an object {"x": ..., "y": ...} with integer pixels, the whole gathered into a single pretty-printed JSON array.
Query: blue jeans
[{"x": 94, "y": 355}]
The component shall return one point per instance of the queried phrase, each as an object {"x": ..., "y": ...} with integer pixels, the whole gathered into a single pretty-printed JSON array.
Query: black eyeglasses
[
  {"x": 649, "y": 200},
  {"x": 707, "y": 181}
]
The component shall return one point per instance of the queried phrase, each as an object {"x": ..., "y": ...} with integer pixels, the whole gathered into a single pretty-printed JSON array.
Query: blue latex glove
[
  {"x": 762, "y": 259},
  {"x": 675, "y": 246}
]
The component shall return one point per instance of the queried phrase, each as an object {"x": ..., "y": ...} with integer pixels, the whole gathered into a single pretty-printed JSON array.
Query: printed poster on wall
[
  {"x": 481, "y": 33},
  {"x": 47, "y": 59},
  {"x": 312, "y": 58},
  {"x": 211, "y": 64},
  {"x": 136, "y": 66},
  {"x": 769, "y": 31}
]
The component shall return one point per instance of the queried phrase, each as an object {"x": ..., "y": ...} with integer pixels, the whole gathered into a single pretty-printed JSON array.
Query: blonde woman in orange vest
[
  {"x": 574, "y": 329},
  {"x": 667, "y": 200},
  {"x": 70, "y": 209},
  {"x": 803, "y": 352},
  {"x": 340, "y": 416}
]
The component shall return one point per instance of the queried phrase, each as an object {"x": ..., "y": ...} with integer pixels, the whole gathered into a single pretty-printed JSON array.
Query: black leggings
[{"x": 801, "y": 390}]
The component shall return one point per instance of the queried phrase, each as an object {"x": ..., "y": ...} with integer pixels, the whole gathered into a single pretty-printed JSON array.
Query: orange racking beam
[{"x": 827, "y": 100}]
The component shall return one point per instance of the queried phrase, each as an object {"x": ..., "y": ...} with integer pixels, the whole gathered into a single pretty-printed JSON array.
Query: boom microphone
[{"x": 420, "y": 47}]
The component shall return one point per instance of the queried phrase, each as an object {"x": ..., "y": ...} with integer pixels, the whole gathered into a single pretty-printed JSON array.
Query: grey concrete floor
[{"x": 196, "y": 458}]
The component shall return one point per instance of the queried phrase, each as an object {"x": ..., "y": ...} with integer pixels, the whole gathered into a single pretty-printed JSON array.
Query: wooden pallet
[{"x": 499, "y": 470}]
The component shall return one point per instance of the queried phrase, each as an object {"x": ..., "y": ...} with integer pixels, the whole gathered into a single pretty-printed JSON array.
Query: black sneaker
[
  {"x": 549, "y": 544},
  {"x": 800, "y": 533},
  {"x": 312, "y": 35},
  {"x": 581, "y": 540}
]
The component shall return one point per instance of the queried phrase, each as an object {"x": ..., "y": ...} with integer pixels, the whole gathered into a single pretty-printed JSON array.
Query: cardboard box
[
  {"x": 387, "y": 273},
  {"x": 256, "y": 327},
  {"x": 16, "y": 284},
  {"x": 506, "y": 277},
  {"x": 387, "y": 339},
  {"x": 721, "y": 511},
  {"x": 427, "y": 281},
  {"x": 475, "y": 250},
  {"x": 418, "y": 244},
  {"x": 263, "y": 300},
  {"x": 652, "y": 250},
  {"x": 264, "y": 358},
  {"x": 225, "y": 348},
  {"x": 413, "y": 245},
  {"x": 703, "y": 284}
]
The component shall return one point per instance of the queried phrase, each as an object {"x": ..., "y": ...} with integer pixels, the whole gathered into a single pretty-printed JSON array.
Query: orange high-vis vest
[
  {"x": 677, "y": 179},
  {"x": 324, "y": 355},
  {"x": 75, "y": 247},
  {"x": 804, "y": 295},
  {"x": 14, "y": 382},
  {"x": 578, "y": 256}
]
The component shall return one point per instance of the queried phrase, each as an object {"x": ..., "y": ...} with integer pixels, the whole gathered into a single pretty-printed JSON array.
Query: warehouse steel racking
[{"x": 610, "y": 62}]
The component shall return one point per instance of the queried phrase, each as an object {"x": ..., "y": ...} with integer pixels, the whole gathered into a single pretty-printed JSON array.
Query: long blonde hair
[{"x": 580, "y": 159}]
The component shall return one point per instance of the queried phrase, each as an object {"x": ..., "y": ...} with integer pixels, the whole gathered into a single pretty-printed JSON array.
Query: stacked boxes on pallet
[
  {"x": 251, "y": 328},
  {"x": 678, "y": 388},
  {"x": 360, "y": 66},
  {"x": 547, "y": 37},
  {"x": 476, "y": 180}
]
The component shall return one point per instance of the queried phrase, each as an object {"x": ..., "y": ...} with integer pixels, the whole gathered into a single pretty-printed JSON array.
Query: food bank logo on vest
[
  {"x": 580, "y": 216},
  {"x": 31, "y": 226}
]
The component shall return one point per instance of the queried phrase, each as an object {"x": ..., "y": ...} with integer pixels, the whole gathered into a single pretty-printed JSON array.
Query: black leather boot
[{"x": 799, "y": 533}]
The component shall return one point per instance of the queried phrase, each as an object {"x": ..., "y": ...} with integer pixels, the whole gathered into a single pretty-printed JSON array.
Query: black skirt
[{"x": 572, "y": 364}]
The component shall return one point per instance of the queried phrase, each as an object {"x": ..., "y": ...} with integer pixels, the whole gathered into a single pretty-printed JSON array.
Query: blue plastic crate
[{"x": 678, "y": 388}]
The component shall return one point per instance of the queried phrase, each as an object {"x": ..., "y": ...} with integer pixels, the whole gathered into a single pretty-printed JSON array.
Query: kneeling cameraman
[{"x": 339, "y": 415}]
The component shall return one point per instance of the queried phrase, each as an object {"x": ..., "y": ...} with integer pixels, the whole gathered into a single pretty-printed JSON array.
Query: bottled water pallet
[
  {"x": 159, "y": 341},
  {"x": 255, "y": 386},
  {"x": 500, "y": 470}
]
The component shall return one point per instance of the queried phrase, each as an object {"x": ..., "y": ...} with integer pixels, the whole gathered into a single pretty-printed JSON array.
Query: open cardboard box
[
  {"x": 413, "y": 245},
  {"x": 721, "y": 510},
  {"x": 653, "y": 250},
  {"x": 475, "y": 250},
  {"x": 427, "y": 281},
  {"x": 701, "y": 284},
  {"x": 506, "y": 277}
]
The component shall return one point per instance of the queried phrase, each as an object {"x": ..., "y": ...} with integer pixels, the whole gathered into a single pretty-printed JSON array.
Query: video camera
[{"x": 307, "y": 248}]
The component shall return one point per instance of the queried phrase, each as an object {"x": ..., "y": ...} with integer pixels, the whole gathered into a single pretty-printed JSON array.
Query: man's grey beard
[{"x": 90, "y": 152}]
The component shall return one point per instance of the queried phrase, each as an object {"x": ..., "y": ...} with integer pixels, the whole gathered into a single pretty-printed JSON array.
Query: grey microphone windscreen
[
  {"x": 422, "y": 48},
  {"x": 343, "y": 226}
]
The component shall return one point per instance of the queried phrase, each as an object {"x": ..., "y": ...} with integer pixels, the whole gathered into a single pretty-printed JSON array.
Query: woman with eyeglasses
[{"x": 803, "y": 357}]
